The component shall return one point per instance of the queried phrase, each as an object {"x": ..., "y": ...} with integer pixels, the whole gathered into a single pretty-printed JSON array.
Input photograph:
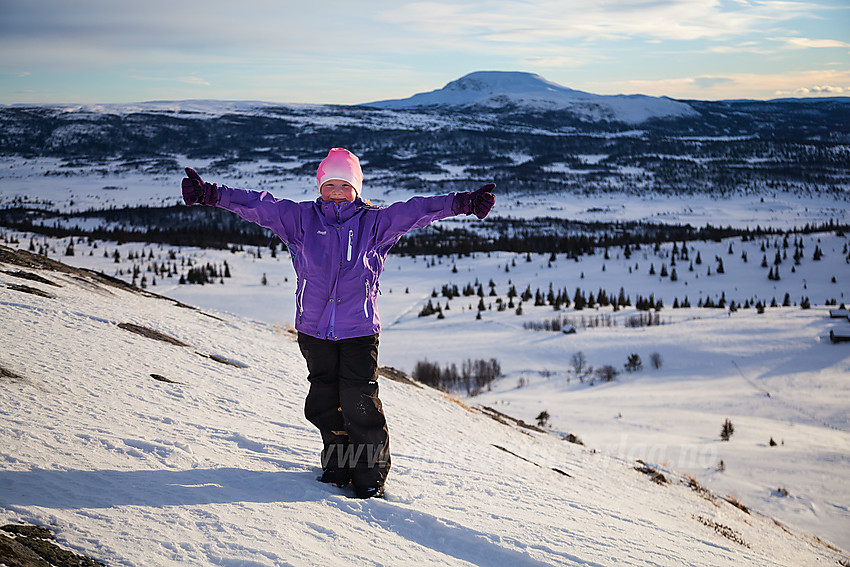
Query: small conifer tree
[{"x": 727, "y": 430}]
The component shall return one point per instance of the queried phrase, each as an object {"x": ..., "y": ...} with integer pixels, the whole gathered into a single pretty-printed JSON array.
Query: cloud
[
  {"x": 806, "y": 43},
  {"x": 558, "y": 20},
  {"x": 92, "y": 33},
  {"x": 194, "y": 81},
  {"x": 300, "y": 51},
  {"x": 558, "y": 60},
  {"x": 711, "y": 82},
  {"x": 747, "y": 47},
  {"x": 815, "y": 90},
  {"x": 740, "y": 85},
  {"x": 188, "y": 80}
]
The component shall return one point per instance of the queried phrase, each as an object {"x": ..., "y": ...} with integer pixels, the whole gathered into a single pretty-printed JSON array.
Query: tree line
[{"x": 472, "y": 377}]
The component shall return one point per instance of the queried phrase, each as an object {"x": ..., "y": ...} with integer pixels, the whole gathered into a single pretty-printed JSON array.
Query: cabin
[{"x": 840, "y": 336}]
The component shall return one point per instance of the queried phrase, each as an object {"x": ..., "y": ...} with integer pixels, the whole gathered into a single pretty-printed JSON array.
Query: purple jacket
[{"x": 338, "y": 252}]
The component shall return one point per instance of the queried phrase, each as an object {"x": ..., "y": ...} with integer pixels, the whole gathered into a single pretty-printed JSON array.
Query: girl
[{"x": 338, "y": 244}]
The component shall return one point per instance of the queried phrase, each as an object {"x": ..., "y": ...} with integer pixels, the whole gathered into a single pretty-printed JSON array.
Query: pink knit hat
[{"x": 342, "y": 165}]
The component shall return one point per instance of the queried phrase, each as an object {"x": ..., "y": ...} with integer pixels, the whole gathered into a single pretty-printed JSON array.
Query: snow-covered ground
[
  {"x": 218, "y": 466},
  {"x": 219, "y": 469}
]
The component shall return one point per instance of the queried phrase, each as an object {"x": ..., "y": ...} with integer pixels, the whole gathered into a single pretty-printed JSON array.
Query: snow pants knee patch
[{"x": 367, "y": 432}]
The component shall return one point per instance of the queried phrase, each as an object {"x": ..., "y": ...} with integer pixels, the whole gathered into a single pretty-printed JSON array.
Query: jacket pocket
[
  {"x": 299, "y": 297},
  {"x": 366, "y": 302},
  {"x": 350, "y": 245}
]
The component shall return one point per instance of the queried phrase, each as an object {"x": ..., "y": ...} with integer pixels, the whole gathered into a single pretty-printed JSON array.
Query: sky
[{"x": 333, "y": 52}]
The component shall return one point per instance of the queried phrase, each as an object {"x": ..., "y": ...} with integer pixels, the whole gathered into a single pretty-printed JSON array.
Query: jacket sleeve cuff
[
  {"x": 448, "y": 209},
  {"x": 224, "y": 193}
]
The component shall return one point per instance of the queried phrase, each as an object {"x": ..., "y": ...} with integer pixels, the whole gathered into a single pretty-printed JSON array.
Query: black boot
[
  {"x": 338, "y": 476},
  {"x": 369, "y": 491},
  {"x": 368, "y": 482}
]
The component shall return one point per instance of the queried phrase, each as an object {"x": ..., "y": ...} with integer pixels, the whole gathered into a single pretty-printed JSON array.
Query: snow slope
[
  {"x": 716, "y": 364},
  {"x": 218, "y": 466},
  {"x": 498, "y": 89}
]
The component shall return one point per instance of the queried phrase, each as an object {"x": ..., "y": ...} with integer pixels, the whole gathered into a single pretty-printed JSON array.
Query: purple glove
[
  {"x": 477, "y": 203},
  {"x": 198, "y": 192}
]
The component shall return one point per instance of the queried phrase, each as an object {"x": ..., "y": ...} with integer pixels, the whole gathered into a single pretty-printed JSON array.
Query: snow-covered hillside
[
  {"x": 527, "y": 91},
  {"x": 726, "y": 361},
  {"x": 139, "y": 451}
]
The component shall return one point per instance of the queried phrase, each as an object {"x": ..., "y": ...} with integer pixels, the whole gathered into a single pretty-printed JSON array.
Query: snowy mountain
[
  {"x": 530, "y": 92},
  {"x": 143, "y": 432},
  {"x": 529, "y": 135}
]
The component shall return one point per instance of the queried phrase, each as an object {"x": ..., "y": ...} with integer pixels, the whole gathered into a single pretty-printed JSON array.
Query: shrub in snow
[
  {"x": 579, "y": 364},
  {"x": 634, "y": 363},
  {"x": 570, "y": 438},
  {"x": 655, "y": 359},
  {"x": 607, "y": 373}
]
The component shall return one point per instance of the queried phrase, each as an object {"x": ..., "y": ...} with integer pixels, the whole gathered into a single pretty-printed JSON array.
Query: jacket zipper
[
  {"x": 366, "y": 302},
  {"x": 350, "y": 241}
]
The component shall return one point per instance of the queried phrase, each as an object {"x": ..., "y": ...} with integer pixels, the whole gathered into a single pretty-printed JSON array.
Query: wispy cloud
[
  {"x": 752, "y": 47},
  {"x": 558, "y": 20},
  {"x": 555, "y": 61},
  {"x": 194, "y": 81},
  {"x": 188, "y": 80},
  {"x": 711, "y": 82},
  {"x": 304, "y": 51},
  {"x": 806, "y": 43},
  {"x": 744, "y": 85}
]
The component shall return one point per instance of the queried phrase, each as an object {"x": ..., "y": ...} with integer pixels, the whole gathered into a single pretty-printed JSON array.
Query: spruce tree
[{"x": 727, "y": 430}]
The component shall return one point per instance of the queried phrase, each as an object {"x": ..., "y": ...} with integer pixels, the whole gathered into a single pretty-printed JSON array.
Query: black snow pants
[{"x": 343, "y": 404}]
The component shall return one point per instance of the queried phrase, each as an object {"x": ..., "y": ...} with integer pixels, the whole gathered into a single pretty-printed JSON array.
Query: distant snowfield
[{"x": 52, "y": 183}]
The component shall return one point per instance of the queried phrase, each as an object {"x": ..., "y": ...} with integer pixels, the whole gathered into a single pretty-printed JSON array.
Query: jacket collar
[{"x": 339, "y": 213}]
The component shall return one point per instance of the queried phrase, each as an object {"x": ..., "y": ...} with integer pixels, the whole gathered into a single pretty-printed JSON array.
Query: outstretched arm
[
  {"x": 260, "y": 207},
  {"x": 417, "y": 212}
]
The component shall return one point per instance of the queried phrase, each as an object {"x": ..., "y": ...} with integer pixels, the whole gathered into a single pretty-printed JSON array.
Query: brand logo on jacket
[{"x": 322, "y": 232}]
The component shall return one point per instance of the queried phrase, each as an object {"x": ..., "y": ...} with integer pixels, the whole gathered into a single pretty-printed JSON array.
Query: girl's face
[{"x": 337, "y": 191}]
